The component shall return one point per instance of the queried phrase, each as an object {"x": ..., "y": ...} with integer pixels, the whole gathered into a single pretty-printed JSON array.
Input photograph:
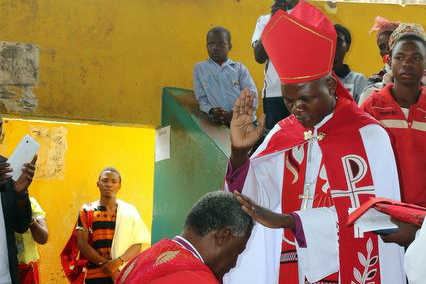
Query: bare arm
[
  {"x": 259, "y": 52},
  {"x": 87, "y": 250},
  {"x": 112, "y": 267},
  {"x": 39, "y": 230},
  {"x": 131, "y": 252}
]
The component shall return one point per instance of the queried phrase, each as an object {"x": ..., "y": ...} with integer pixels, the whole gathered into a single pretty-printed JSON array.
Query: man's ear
[
  {"x": 222, "y": 236},
  {"x": 331, "y": 84},
  {"x": 348, "y": 47},
  {"x": 230, "y": 46}
]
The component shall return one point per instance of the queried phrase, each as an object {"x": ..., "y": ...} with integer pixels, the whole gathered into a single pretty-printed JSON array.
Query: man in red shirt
[
  {"x": 216, "y": 231},
  {"x": 401, "y": 109}
]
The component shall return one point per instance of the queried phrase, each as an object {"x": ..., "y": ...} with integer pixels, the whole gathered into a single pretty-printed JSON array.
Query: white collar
[
  {"x": 179, "y": 239},
  {"x": 323, "y": 121},
  {"x": 227, "y": 62}
]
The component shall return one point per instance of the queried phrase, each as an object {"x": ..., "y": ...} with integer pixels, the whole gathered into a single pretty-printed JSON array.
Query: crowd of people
[
  {"x": 218, "y": 81},
  {"x": 109, "y": 232},
  {"x": 331, "y": 139}
]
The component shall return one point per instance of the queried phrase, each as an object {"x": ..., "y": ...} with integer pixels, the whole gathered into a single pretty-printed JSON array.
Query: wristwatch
[{"x": 121, "y": 259}]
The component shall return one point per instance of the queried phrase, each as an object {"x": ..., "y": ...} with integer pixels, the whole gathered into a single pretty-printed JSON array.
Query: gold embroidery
[
  {"x": 306, "y": 77},
  {"x": 321, "y": 136},
  {"x": 292, "y": 170},
  {"x": 166, "y": 257},
  {"x": 308, "y": 135}
]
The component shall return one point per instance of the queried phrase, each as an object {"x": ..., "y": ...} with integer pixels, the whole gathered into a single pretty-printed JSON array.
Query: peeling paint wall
[
  {"x": 108, "y": 60},
  {"x": 19, "y": 67},
  {"x": 53, "y": 147}
]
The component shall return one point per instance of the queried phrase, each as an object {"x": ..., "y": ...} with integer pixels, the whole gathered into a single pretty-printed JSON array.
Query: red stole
[
  {"x": 349, "y": 182},
  {"x": 294, "y": 173},
  {"x": 293, "y": 199},
  {"x": 164, "y": 258}
]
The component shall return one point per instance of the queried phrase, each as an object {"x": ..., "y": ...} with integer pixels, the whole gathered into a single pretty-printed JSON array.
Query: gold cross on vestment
[
  {"x": 305, "y": 198},
  {"x": 308, "y": 135}
]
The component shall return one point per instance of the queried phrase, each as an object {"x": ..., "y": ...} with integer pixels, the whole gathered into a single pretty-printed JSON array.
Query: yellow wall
[
  {"x": 89, "y": 149},
  {"x": 107, "y": 60}
]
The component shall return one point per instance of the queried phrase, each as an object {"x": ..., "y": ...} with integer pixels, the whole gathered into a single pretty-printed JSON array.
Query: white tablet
[{"x": 24, "y": 153}]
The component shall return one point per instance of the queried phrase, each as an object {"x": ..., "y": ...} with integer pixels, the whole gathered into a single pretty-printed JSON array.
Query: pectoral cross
[
  {"x": 308, "y": 135},
  {"x": 306, "y": 197}
]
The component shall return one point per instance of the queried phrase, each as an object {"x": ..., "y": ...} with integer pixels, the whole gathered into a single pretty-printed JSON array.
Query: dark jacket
[{"x": 17, "y": 218}]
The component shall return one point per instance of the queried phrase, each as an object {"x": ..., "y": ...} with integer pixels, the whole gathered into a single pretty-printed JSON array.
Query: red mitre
[{"x": 301, "y": 45}]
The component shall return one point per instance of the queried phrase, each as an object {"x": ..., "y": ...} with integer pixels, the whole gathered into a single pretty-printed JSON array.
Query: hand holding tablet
[{"x": 23, "y": 154}]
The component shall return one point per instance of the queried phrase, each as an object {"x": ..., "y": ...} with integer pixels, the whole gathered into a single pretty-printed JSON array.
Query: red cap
[{"x": 301, "y": 45}]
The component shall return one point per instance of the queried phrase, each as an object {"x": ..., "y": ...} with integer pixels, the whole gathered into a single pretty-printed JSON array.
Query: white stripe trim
[
  {"x": 382, "y": 108},
  {"x": 265, "y": 142},
  {"x": 420, "y": 109},
  {"x": 419, "y": 125},
  {"x": 394, "y": 123},
  {"x": 194, "y": 251},
  {"x": 385, "y": 179}
]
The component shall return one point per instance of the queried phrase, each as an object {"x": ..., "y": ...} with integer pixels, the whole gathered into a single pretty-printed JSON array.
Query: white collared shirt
[{"x": 272, "y": 82}]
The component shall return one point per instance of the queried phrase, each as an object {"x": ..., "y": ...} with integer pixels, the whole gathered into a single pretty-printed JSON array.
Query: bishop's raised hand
[{"x": 244, "y": 134}]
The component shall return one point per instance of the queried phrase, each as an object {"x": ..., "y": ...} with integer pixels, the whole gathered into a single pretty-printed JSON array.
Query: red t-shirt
[
  {"x": 166, "y": 262},
  {"x": 408, "y": 136}
]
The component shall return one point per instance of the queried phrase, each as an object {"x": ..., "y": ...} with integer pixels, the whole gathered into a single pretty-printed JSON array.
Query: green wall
[{"x": 196, "y": 166}]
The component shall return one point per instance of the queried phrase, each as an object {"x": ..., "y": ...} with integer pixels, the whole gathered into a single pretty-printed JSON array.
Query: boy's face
[
  {"x": 109, "y": 183},
  {"x": 341, "y": 49},
  {"x": 408, "y": 62},
  {"x": 218, "y": 47}
]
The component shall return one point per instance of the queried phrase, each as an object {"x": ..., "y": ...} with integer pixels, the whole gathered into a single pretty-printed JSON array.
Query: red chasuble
[
  {"x": 166, "y": 262},
  {"x": 350, "y": 171},
  {"x": 349, "y": 179},
  {"x": 408, "y": 140},
  {"x": 321, "y": 174}
]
